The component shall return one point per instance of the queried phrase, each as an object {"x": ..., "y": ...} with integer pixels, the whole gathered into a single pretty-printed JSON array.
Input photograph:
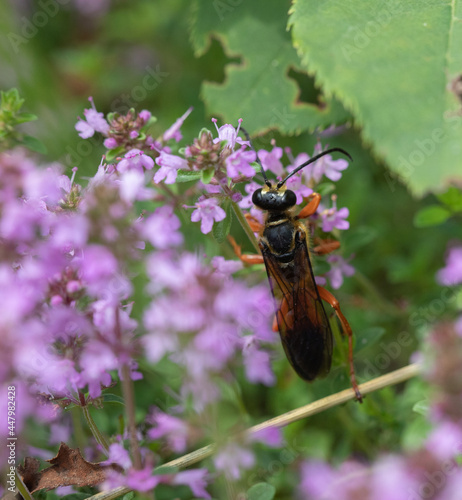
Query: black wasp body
[{"x": 302, "y": 321}]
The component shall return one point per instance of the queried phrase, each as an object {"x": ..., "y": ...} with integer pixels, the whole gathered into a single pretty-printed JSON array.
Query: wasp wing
[{"x": 302, "y": 321}]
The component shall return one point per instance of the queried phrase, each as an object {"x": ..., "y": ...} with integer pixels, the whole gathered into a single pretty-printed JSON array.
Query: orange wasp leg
[
  {"x": 256, "y": 259},
  {"x": 283, "y": 314},
  {"x": 326, "y": 246},
  {"x": 255, "y": 226},
  {"x": 247, "y": 259},
  {"x": 330, "y": 299},
  {"x": 311, "y": 207}
]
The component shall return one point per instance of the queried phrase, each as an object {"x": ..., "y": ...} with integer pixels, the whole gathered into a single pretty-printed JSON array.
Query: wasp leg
[
  {"x": 325, "y": 246},
  {"x": 247, "y": 259},
  {"x": 330, "y": 299},
  {"x": 311, "y": 207},
  {"x": 255, "y": 226},
  {"x": 285, "y": 314}
]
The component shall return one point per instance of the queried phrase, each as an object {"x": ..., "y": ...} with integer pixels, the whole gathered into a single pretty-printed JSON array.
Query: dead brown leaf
[{"x": 68, "y": 468}]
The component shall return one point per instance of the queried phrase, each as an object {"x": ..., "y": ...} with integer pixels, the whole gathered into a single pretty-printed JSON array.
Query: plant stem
[
  {"x": 245, "y": 226},
  {"x": 79, "y": 437},
  {"x": 129, "y": 397},
  {"x": 100, "y": 439},
  {"x": 313, "y": 408},
  {"x": 22, "y": 488}
]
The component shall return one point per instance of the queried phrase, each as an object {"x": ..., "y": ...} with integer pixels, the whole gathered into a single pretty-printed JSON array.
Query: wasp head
[{"x": 274, "y": 197}]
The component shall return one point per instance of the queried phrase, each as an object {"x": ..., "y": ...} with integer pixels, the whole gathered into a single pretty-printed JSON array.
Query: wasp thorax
[{"x": 274, "y": 198}]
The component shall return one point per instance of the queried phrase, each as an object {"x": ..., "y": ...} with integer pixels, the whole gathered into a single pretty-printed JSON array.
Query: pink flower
[
  {"x": 135, "y": 160},
  {"x": 145, "y": 115},
  {"x": 444, "y": 441},
  {"x": 334, "y": 218},
  {"x": 297, "y": 161},
  {"x": 97, "y": 264},
  {"x": 118, "y": 455},
  {"x": 257, "y": 366},
  {"x": 225, "y": 267},
  {"x": 169, "y": 167},
  {"x": 95, "y": 122},
  {"x": 174, "y": 131},
  {"x": 142, "y": 479},
  {"x": 249, "y": 187},
  {"x": 229, "y": 134},
  {"x": 110, "y": 143},
  {"x": 271, "y": 160},
  {"x": 238, "y": 163},
  {"x": 271, "y": 436},
  {"x": 301, "y": 190},
  {"x": 232, "y": 458},
  {"x": 327, "y": 166},
  {"x": 195, "y": 479},
  {"x": 173, "y": 428},
  {"x": 339, "y": 268},
  {"x": 162, "y": 228},
  {"x": 451, "y": 274},
  {"x": 207, "y": 211},
  {"x": 317, "y": 478},
  {"x": 132, "y": 186}
]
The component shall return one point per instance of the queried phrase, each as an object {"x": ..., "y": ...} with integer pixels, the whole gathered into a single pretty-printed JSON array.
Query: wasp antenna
[
  {"x": 247, "y": 136},
  {"x": 312, "y": 160}
]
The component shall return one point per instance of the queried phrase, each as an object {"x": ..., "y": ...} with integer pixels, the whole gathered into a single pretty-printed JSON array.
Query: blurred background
[{"x": 168, "y": 56}]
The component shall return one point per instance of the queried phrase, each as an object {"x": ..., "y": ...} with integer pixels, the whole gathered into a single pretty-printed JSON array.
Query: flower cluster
[
  {"x": 65, "y": 323},
  {"x": 201, "y": 319},
  {"x": 67, "y": 257}
]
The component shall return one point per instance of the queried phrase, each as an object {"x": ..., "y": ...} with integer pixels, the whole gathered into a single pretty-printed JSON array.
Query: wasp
[{"x": 301, "y": 319}]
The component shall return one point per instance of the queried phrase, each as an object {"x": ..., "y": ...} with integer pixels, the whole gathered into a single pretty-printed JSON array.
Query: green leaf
[
  {"x": 392, "y": 65},
  {"x": 112, "y": 154},
  {"x": 207, "y": 175},
  {"x": 422, "y": 407},
  {"x": 368, "y": 337},
  {"x": 259, "y": 88},
  {"x": 11, "y": 101},
  {"x": 129, "y": 496},
  {"x": 261, "y": 491},
  {"x": 75, "y": 496},
  {"x": 431, "y": 216},
  {"x": 325, "y": 188},
  {"x": 25, "y": 117},
  {"x": 113, "y": 398},
  {"x": 188, "y": 175},
  {"x": 165, "y": 470},
  {"x": 34, "y": 144},
  {"x": 452, "y": 198},
  {"x": 415, "y": 433},
  {"x": 221, "y": 229}
]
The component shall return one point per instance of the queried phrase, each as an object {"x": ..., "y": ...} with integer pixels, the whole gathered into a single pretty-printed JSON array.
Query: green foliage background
[{"x": 387, "y": 73}]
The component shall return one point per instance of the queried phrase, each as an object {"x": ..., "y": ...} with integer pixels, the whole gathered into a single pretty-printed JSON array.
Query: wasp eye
[
  {"x": 289, "y": 198},
  {"x": 257, "y": 197}
]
